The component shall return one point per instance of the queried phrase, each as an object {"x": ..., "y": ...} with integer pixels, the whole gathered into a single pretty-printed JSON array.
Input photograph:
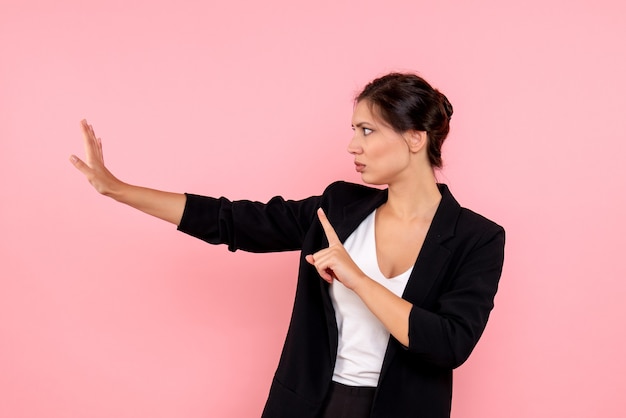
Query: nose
[{"x": 353, "y": 145}]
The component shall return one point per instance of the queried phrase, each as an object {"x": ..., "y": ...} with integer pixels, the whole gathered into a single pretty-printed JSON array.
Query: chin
[{"x": 373, "y": 181}]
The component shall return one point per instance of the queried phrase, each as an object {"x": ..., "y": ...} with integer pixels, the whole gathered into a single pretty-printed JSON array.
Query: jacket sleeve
[
  {"x": 278, "y": 225},
  {"x": 446, "y": 335}
]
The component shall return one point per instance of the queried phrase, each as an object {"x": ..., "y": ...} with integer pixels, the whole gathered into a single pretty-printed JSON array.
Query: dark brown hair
[{"x": 407, "y": 102}]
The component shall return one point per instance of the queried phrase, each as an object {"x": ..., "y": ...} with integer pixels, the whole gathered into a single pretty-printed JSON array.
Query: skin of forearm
[
  {"x": 391, "y": 310},
  {"x": 163, "y": 205}
]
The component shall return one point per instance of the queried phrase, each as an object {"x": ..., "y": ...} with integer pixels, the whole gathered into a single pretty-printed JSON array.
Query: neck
[{"x": 416, "y": 198}]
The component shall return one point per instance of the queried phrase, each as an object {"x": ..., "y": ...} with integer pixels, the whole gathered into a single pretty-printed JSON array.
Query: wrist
[
  {"x": 118, "y": 190},
  {"x": 361, "y": 284}
]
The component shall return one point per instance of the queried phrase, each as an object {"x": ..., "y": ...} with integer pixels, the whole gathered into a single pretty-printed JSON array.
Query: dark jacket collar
[
  {"x": 444, "y": 222},
  {"x": 441, "y": 229}
]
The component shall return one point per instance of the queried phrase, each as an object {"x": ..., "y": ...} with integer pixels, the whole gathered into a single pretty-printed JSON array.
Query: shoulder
[
  {"x": 462, "y": 226},
  {"x": 476, "y": 232},
  {"x": 350, "y": 191},
  {"x": 356, "y": 199},
  {"x": 468, "y": 219},
  {"x": 470, "y": 237},
  {"x": 347, "y": 204},
  {"x": 462, "y": 217}
]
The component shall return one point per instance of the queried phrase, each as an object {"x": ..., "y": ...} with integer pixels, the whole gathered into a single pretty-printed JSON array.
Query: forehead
[{"x": 363, "y": 113}]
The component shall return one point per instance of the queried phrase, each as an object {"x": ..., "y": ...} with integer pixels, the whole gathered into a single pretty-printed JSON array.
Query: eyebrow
[{"x": 361, "y": 124}]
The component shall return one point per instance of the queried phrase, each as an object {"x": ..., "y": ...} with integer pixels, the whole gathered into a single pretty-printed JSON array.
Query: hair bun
[{"x": 446, "y": 105}]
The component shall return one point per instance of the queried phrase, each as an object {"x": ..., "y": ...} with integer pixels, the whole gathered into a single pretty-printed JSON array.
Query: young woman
[{"x": 395, "y": 286}]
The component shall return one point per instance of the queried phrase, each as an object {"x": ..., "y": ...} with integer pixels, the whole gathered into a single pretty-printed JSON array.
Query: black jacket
[{"x": 452, "y": 287}]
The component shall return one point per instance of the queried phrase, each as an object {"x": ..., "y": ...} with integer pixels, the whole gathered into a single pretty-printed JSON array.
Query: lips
[{"x": 359, "y": 167}]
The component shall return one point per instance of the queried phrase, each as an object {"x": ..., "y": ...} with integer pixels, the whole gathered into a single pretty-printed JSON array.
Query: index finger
[
  {"x": 92, "y": 145},
  {"x": 328, "y": 228},
  {"x": 88, "y": 137}
]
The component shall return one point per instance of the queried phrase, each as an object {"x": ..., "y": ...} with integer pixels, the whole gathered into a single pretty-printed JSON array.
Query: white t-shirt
[{"x": 362, "y": 337}]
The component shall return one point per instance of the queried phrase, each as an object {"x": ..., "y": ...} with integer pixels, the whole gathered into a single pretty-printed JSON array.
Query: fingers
[
  {"x": 325, "y": 273},
  {"x": 322, "y": 259},
  {"x": 81, "y": 166},
  {"x": 331, "y": 235},
  {"x": 87, "y": 140},
  {"x": 93, "y": 145}
]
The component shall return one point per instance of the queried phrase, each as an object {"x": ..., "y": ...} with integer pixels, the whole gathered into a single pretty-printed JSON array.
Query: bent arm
[
  {"x": 391, "y": 310},
  {"x": 445, "y": 336},
  {"x": 334, "y": 262},
  {"x": 446, "y": 333},
  {"x": 164, "y": 205}
]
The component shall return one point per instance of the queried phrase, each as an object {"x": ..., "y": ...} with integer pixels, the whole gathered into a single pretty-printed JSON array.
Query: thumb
[{"x": 79, "y": 164}]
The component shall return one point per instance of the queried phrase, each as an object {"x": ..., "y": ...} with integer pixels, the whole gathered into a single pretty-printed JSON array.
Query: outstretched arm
[{"x": 164, "y": 205}]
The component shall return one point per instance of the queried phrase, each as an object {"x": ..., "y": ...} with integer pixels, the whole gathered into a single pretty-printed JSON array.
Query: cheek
[
  {"x": 380, "y": 148},
  {"x": 386, "y": 149},
  {"x": 393, "y": 152}
]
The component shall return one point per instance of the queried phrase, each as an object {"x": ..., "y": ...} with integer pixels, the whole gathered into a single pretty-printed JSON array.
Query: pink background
[{"x": 105, "y": 312}]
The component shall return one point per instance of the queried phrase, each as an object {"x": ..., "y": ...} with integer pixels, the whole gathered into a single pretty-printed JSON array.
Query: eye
[{"x": 367, "y": 131}]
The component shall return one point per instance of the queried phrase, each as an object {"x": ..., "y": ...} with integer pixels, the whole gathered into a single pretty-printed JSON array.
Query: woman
[{"x": 408, "y": 277}]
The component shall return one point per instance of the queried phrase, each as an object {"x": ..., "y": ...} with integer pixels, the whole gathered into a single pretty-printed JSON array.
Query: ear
[{"x": 416, "y": 140}]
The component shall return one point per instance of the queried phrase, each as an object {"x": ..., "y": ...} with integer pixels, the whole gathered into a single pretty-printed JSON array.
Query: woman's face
[{"x": 381, "y": 154}]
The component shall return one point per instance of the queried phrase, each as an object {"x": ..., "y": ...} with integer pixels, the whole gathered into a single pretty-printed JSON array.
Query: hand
[
  {"x": 334, "y": 262},
  {"x": 93, "y": 168}
]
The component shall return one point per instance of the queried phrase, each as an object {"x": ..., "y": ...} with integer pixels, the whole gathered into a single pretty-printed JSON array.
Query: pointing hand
[{"x": 334, "y": 262}]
